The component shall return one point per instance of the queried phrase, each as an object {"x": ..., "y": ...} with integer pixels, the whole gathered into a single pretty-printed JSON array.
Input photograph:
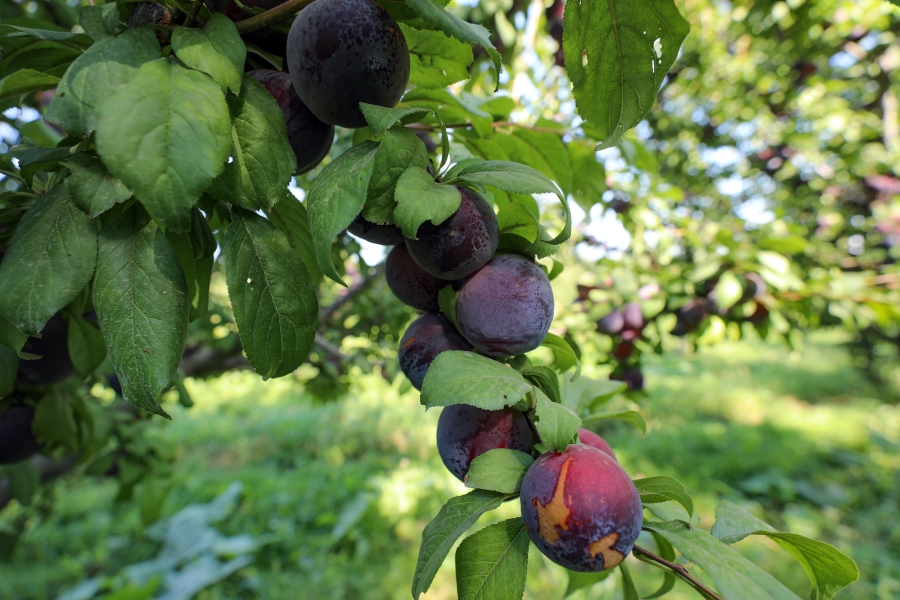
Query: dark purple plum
[
  {"x": 425, "y": 338},
  {"x": 384, "y": 235},
  {"x": 17, "y": 442},
  {"x": 581, "y": 508},
  {"x": 631, "y": 376},
  {"x": 460, "y": 245},
  {"x": 410, "y": 283},
  {"x": 588, "y": 437},
  {"x": 633, "y": 317},
  {"x": 505, "y": 308},
  {"x": 310, "y": 138},
  {"x": 623, "y": 350},
  {"x": 690, "y": 315},
  {"x": 343, "y": 52},
  {"x": 612, "y": 323},
  {"x": 465, "y": 432},
  {"x": 55, "y": 365}
]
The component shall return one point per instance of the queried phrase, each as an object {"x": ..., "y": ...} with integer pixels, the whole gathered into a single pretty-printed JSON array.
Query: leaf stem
[
  {"x": 192, "y": 14},
  {"x": 677, "y": 569},
  {"x": 282, "y": 11}
]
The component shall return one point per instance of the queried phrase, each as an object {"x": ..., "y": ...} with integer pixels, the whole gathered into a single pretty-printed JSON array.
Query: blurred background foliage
[{"x": 773, "y": 151}]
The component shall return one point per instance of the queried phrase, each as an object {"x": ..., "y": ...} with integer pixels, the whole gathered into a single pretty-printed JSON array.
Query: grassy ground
[{"x": 340, "y": 492}]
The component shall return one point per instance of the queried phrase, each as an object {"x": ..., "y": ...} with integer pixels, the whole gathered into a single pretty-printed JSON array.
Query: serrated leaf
[
  {"x": 140, "y": 294},
  {"x": 617, "y": 54},
  {"x": 435, "y": 16},
  {"x": 91, "y": 187},
  {"x": 518, "y": 178},
  {"x": 587, "y": 394},
  {"x": 95, "y": 76},
  {"x": 545, "y": 379},
  {"x": 436, "y": 60},
  {"x": 552, "y": 152},
  {"x": 336, "y": 197},
  {"x": 556, "y": 424},
  {"x": 564, "y": 357},
  {"x": 632, "y": 417},
  {"x": 381, "y": 118},
  {"x": 400, "y": 149},
  {"x": 195, "y": 249},
  {"x": 663, "y": 489},
  {"x": 518, "y": 227},
  {"x": 499, "y": 470},
  {"x": 453, "y": 520},
  {"x": 290, "y": 217},
  {"x": 459, "y": 377},
  {"x": 736, "y": 578},
  {"x": 9, "y": 365},
  {"x": 420, "y": 198},
  {"x": 71, "y": 37},
  {"x": 491, "y": 564},
  {"x": 99, "y": 22},
  {"x": 86, "y": 347},
  {"x": 262, "y": 161},
  {"x": 54, "y": 422},
  {"x": 828, "y": 569},
  {"x": 273, "y": 297},
  {"x": 217, "y": 50},
  {"x": 51, "y": 258},
  {"x": 25, "y": 81},
  {"x": 166, "y": 134}
]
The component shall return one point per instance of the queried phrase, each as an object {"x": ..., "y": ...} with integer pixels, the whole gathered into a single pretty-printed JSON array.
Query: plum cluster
[
  {"x": 625, "y": 327},
  {"x": 581, "y": 508}
]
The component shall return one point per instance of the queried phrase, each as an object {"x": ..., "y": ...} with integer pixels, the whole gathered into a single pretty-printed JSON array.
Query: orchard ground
[{"x": 338, "y": 493}]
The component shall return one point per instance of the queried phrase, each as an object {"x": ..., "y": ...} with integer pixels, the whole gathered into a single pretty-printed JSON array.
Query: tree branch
[
  {"x": 351, "y": 293},
  {"x": 282, "y": 11},
  {"x": 677, "y": 569}
]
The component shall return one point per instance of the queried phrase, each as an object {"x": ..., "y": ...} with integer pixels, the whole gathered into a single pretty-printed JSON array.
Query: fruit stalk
[
  {"x": 677, "y": 569},
  {"x": 282, "y": 11},
  {"x": 192, "y": 14}
]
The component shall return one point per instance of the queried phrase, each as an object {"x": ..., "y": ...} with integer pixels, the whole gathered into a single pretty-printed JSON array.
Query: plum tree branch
[
  {"x": 677, "y": 569},
  {"x": 280, "y": 12},
  {"x": 352, "y": 292}
]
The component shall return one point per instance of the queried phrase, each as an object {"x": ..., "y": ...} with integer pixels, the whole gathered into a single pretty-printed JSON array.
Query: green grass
[{"x": 340, "y": 492}]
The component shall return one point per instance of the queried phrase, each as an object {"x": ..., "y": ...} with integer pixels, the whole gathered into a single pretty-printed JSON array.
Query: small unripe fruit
[
  {"x": 17, "y": 442},
  {"x": 465, "y": 432},
  {"x": 425, "y": 338},
  {"x": 383, "y": 235},
  {"x": 343, "y": 52},
  {"x": 506, "y": 308},
  {"x": 589, "y": 438},
  {"x": 581, "y": 508},
  {"x": 461, "y": 244},
  {"x": 410, "y": 283}
]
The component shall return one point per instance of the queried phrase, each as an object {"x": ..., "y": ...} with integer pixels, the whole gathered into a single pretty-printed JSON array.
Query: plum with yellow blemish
[
  {"x": 581, "y": 508},
  {"x": 425, "y": 338}
]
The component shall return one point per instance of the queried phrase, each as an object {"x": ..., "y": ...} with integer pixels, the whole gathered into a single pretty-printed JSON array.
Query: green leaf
[
  {"x": 728, "y": 290},
  {"x": 272, "y": 296},
  {"x": 438, "y": 18},
  {"x": 96, "y": 75},
  {"x": 381, "y": 118},
  {"x": 453, "y": 520},
  {"x": 829, "y": 570},
  {"x": 290, "y": 217},
  {"x": 195, "y": 251},
  {"x": 518, "y": 227},
  {"x": 632, "y": 417},
  {"x": 49, "y": 34},
  {"x": 154, "y": 491},
  {"x": 735, "y": 577},
  {"x": 663, "y": 489},
  {"x": 99, "y": 22},
  {"x": 629, "y": 592},
  {"x": 262, "y": 160},
  {"x": 167, "y": 135},
  {"x": 666, "y": 551},
  {"x": 564, "y": 358},
  {"x": 420, "y": 199},
  {"x": 436, "y": 60},
  {"x": 216, "y": 50},
  {"x": 24, "y": 481},
  {"x": 549, "y": 148},
  {"x": 579, "y": 581},
  {"x": 86, "y": 347},
  {"x": 499, "y": 470},
  {"x": 140, "y": 297},
  {"x": 400, "y": 149},
  {"x": 518, "y": 178},
  {"x": 54, "y": 422},
  {"x": 10, "y": 336},
  {"x": 588, "y": 175},
  {"x": 491, "y": 564},
  {"x": 32, "y": 160},
  {"x": 52, "y": 257},
  {"x": 9, "y": 366},
  {"x": 617, "y": 54},
  {"x": 545, "y": 379},
  {"x": 465, "y": 377},
  {"x": 91, "y": 187},
  {"x": 556, "y": 424},
  {"x": 447, "y": 298},
  {"x": 336, "y": 197},
  {"x": 25, "y": 81}
]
